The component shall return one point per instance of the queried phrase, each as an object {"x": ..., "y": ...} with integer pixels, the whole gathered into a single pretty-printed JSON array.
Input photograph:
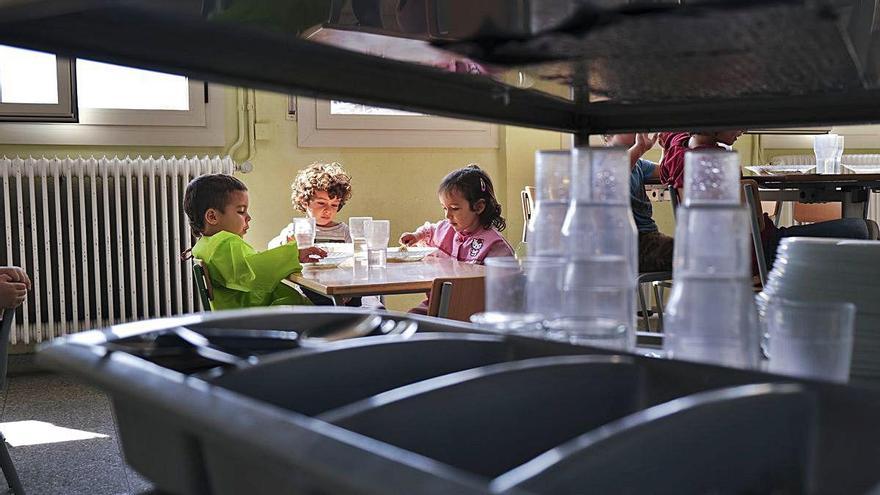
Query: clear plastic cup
[
  {"x": 601, "y": 175},
  {"x": 552, "y": 195},
  {"x": 304, "y": 232},
  {"x": 377, "y": 234},
  {"x": 711, "y": 177},
  {"x": 356, "y": 227},
  {"x": 828, "y": 149},
  {"x": 521, "y": 293},
  {"x": 615, "y": 303},
  {"x": 810, "y": 339},
  {"x": 589, "y": 331},
  {"x": 712, "y": 319},
  {"x": 712, "y": 240}
]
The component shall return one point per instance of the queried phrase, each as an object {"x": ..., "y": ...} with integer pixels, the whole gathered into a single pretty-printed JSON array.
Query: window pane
[
  {"x": 111, "y": 86},
  {"x": 344, "y": 108},
  {"x": 27, "y": 76}
]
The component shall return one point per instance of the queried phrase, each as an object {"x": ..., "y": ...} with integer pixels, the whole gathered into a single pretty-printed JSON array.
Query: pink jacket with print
[{"x": 470, "y": 247}]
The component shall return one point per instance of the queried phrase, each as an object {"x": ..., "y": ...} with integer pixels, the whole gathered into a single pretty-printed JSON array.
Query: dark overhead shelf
[{"x": 743, "y": 64}]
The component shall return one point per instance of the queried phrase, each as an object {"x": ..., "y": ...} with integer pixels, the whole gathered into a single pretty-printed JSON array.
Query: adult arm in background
[
  {"x": 12, "y": 293},
  {"x": 643, "y": 143}
]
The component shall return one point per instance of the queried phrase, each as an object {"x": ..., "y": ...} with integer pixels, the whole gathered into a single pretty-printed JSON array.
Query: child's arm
[
  {"x": 281, "y": 238},
  {"x": 500, "y": 249},
  {"x": 422, "y": 235}
]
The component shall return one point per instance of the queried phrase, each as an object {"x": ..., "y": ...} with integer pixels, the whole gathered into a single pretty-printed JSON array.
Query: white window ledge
[{"x": 317, "y": 127}]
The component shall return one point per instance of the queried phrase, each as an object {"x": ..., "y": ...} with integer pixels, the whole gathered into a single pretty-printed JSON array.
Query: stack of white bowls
[{"x": 828, "y": 270}]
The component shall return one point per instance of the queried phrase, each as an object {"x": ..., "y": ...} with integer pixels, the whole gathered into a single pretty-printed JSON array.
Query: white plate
[
  {"x": 411, "y": 253},
  {"x": 862, "y": 169},
  {"x": 781, "y": 169},
  {"x": 330, "y": 261}
]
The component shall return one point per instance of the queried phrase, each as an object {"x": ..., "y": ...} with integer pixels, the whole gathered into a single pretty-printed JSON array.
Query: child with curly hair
[{"x": 320, "y": 191}]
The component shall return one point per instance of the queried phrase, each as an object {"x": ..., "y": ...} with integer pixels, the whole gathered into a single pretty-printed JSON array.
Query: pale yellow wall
[{"x": 519, "y": 145}]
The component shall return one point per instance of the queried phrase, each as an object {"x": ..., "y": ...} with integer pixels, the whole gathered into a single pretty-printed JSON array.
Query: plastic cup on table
[
  {"x": 304, "y": 232},
  {"x": 521, "y": 294},
  {"x": 828, "y": 149},
  {"x": 356, "y": 227},
  {"x": 377, "y": 234}
]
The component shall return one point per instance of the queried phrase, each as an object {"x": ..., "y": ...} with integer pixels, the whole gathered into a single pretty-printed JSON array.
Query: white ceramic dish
[
  {"x": 411, "y": 253},
  {"x": 332, "y": 260},
  {"x": 781, "y": 169}
]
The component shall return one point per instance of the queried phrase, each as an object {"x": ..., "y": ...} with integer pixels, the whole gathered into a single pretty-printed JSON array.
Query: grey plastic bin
[{"x": 219, "y": 433}]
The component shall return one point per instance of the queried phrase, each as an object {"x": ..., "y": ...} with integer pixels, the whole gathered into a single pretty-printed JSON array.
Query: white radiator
[{"x": 100, "y": 239}]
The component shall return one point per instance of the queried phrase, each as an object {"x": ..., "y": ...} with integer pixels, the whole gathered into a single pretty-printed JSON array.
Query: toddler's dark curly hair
[{"x": 475, "y": 185}]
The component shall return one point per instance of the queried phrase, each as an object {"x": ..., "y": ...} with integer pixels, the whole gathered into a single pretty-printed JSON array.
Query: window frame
[
  {"x": 63, "y": 111},
  {"x": 317, "y": 127},
  {"x": 195, "y": 116},
  {"x": 208, "y": 132}
]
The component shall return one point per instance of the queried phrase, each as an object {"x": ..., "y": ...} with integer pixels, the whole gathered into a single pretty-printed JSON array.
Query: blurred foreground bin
[{"x": 240, "y": 402}]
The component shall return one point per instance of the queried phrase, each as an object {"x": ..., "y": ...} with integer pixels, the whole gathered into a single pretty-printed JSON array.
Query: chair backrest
[
  {"x": 203, "y": 283},
  {"x": 815, "y": 212},
  {"x": 527, "y": 196},
  {"x": 756, "y": 219},
  {"x": 675, "y": 198},
  {"x": 457, "y": 298},
  {"x": 768, "y": 206},
  {"x": 5, "y": 330}
]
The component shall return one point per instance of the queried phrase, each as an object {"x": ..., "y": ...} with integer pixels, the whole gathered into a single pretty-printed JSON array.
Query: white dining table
[{"x": 353, "y": 278}]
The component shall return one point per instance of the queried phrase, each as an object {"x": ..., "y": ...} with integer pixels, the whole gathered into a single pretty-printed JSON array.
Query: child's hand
[
  {"x": 408, "y": 239},
  {"x": 310, "y": 254}
]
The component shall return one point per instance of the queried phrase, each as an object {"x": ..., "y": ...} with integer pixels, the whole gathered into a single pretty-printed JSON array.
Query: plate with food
[
  {"x": 332, "y": 260},
  {"x": 781, "y": 169},
  {"x": 412, "y": 253}
]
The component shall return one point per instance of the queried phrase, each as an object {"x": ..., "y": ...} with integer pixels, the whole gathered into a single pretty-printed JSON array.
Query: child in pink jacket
[{"x": 471, "y": 230}]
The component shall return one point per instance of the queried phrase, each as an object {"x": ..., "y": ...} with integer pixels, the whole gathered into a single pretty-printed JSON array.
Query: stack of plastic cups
[
  {"x": 711, "y": 316},
  {"x": 546, "y": 247},
  {"x": 599, "y": 283},
  {"x": 552, "y": 196}
]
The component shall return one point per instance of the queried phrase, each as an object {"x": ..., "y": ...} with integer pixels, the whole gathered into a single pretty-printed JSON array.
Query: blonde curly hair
[{"x": 329, "y": 177}]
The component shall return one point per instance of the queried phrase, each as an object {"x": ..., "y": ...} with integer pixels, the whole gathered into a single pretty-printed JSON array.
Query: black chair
[
  {"x": 5, "y": 459},
  {"x": 203, "y": 283},
  {"x": 658, "y": 280}
]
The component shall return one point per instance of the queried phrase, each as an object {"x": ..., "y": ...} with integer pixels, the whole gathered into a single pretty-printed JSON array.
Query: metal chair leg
[
  {"x": 644, "y": 307},
  {"x": 9, "y": 469},
  {"x": 658, "y": 299}
]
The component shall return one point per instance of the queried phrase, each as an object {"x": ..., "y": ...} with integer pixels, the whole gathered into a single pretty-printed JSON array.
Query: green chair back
[{"x": 203, "y": 282}]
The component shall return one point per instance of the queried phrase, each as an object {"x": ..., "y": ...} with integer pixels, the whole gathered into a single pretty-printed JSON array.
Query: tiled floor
[{"x": 94, "y": 466}]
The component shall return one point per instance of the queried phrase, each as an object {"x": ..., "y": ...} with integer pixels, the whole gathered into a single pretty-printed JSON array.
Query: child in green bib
[{"x": 217, "y": 208}]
